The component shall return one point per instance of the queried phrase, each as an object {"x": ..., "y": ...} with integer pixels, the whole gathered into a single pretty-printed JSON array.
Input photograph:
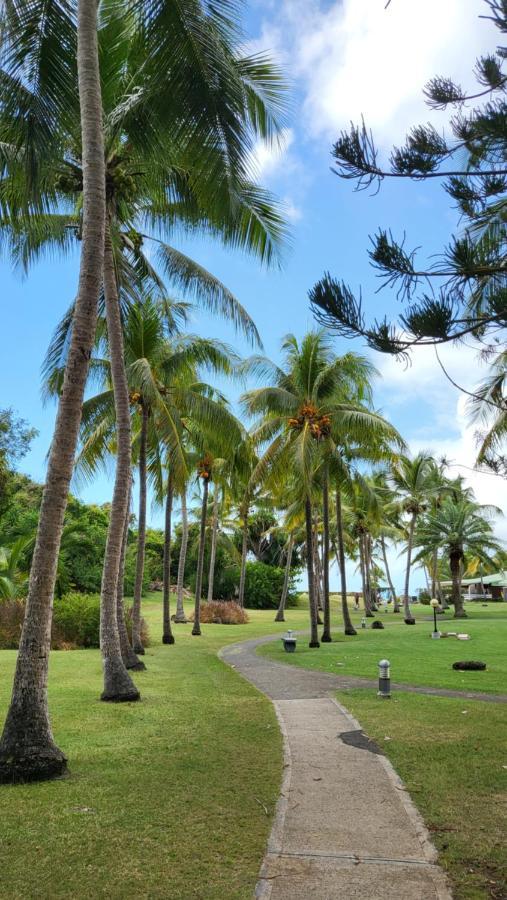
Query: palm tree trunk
[
  {"x": 441, "y": 596},
  {"x": 409, "y": 619},
  {"x": 196, "y": 630},
  {"x": 347, "y": 621},
  {"x": 167, "y": 636},
  {"x": 314, "y": 634},
  {"x": 371, "y": 592},
  {"x": 280, "y": 615},
  {"x": 326, "y": 634},
  {"x": 128, "y": 656},
  {"x": 396, "y": 607},
  {"x": 214, "y": 536},
  {"x": 244, "y": 549},
  {"x": 434, "y": 562},
  {"x": 456, "y": 598},
  {"x": 141, "y": 536},
  {"x": 180, "y": 611},
  {"x": 118, "y": 685},
  {"x": 364, "y": 580},
  {"x": 317, "y": 575},
  {"x": 27, "y": 749}
]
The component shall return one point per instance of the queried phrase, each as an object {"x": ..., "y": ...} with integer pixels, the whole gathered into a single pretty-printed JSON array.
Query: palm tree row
[{"x": 106, "y": 143}]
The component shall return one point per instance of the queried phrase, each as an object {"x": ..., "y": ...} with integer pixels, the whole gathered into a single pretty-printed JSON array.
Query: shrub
[
  {"x": 12, "y": 613},
  {"x": 263, "y": 586},
  {"x": 222, "y": 612},
  {"x": 76, "y": 622},
  {"x": 424, "y": 598},
  {"x": 377, "y": 624}
]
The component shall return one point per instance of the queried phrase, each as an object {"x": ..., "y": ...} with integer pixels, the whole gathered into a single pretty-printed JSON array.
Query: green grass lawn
[
  {"x": 414, "y": 657},
  {"x": 452, "y": 756},
  {"x": 166, "y": 798}
]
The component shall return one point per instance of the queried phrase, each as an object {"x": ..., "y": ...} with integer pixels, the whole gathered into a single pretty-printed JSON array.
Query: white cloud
[
  {"x": 292, "y": 212},
  {"x": 355, "y": 57},
  {"x": 442, "y": 425}
]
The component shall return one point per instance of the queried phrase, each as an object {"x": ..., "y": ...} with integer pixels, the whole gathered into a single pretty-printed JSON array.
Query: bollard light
[
  {"x": 435, "y": 604},
  {"x": 289, "y": 642},
  {"x": 384, "y": 679},
  {"x": 363, "y": 622}
]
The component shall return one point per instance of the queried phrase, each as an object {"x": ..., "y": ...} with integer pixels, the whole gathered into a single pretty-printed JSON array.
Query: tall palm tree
[
  {"x": 310, "y": 403},
  {"x": 180, "y": 612},
  {"x": 214, "y": 537},
  {"x": 166, "y": 397},
  {"x": 205, "y": 473},
  {"x": 458, "y": 527},
  {"x": 215, "y": 105},
  {"x": 414, "y": 480},
  {"x": 27, "y": 748}
]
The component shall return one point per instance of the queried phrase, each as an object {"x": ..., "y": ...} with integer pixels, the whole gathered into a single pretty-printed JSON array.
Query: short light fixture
[
  {"x": 435, "y": 604},
  {"x": 363, "y": 622},
  {"x": 384, "y": 679},
  {"x": 289, "y": 641}
]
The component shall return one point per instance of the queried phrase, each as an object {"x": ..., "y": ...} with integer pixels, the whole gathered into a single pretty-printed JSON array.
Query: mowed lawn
[
  {"x": 452, "y": 757},
  {"x": 167, "y": 797},
  {"x": 173, "y": 797},
  {"x": 415, "y": 658}
]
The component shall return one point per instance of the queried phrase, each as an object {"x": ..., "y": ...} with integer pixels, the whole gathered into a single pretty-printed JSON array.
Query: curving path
[{"x": 344, "y": 825}]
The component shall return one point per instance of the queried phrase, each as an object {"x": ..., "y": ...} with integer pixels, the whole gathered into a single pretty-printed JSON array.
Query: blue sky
[{"x": 343, "y": 59}]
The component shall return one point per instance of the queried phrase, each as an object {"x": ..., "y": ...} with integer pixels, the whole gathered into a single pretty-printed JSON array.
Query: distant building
[{"x": 489, "y": 587}]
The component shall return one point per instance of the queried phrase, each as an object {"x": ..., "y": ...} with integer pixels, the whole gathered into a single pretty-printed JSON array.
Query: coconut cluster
[{"x": 319, "y": 425}]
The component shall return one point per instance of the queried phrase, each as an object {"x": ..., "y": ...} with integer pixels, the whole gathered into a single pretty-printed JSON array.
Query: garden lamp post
[
  {"x": 384, "y": 680},
  {"x": 435, "y": 604},
  {"x": 289, "y": 642}
]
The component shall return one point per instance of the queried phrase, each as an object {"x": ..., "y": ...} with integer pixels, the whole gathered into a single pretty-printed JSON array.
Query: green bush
[
  {"x": 424, "y": 598},
  {"x": 76, "y": 622},
  {"x": 76, "y": 619},
  {"x": 263, "y": 586}
]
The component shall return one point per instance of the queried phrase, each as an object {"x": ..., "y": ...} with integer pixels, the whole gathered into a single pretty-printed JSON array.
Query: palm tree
[
  {"x": 458, "y": 527},
  {"x": 205, "y": 473},
  {"x": 213, "y": 190},
  {"x": 180, "y": 612},
  {"x": 13, "y": 580},
  {"x": 165, "y": 395},
  {"x": 414, "y": 480},
  {"x": 130, "y": 659},
  {"x": 214, "y": 536},
  {"x": 313, "y": 404},
  {"x": 487, "y": 407},
  {"x": 27, "y": 749},
  {"x": 217, "y": 100}
]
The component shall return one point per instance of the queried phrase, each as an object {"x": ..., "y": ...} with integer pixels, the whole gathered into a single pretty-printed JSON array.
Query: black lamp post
[{"x": 435, "y": 604}]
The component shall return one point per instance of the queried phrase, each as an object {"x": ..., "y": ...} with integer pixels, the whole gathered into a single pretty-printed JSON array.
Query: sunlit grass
[
  {"x": 414, "y": 657},
  {"x": 452, "y": 756}
]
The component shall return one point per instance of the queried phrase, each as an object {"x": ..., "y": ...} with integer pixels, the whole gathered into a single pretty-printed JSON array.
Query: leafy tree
[
  {"x": 458, "y": 527},
  {"x": 414, "y": 481},
  {"x": 463, "y": 290}
]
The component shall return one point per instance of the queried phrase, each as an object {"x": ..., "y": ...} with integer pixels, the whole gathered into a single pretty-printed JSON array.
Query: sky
[{"x": 343, "y": 60}]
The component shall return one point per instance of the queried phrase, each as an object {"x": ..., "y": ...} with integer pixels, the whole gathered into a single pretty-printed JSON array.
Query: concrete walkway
[{"x": 345, "y": 826}]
